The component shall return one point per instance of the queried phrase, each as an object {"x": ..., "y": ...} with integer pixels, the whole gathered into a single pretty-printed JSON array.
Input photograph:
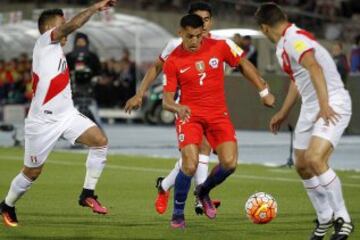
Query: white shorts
[
  {"x": 306, "y": 126},
  {"x": 41, "y": 136}
]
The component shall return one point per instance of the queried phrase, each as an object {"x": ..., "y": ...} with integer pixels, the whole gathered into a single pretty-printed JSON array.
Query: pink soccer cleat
[
  {"x": 94, "y": 204},
  {"x": 208, "y": 205}
]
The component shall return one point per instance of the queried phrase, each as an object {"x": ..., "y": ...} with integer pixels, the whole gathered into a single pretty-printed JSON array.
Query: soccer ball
[{"x": 261, "y": 208}]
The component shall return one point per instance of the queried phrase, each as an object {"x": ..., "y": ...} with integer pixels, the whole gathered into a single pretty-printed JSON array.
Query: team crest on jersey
[
  {"x": 300, "y": 46},
  {"x": 181, "y": 137},
  {"x": 214, "y": 62},
  {"x": 200, "y": 66}
]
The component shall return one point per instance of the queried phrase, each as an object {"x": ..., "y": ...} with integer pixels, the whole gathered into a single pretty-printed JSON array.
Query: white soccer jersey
[
  {"x": 292, "y": 46},
  {"x": 52, "y": 98},
  {"x": 174, "y": 43}
]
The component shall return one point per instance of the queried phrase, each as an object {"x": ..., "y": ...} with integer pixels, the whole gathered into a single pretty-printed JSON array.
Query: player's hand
[
  {"x": 133, "y": 103},
  {"x": 183, "y": 112},
  {"x": 105, "y": 4},
  {"x": 276, "y": 121},
  {"x": 328, "y": 115},
  {"x": 268, "y": 100}
]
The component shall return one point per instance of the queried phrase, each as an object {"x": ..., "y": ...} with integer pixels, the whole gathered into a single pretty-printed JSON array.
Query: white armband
[{"x": 264, "y": 92}]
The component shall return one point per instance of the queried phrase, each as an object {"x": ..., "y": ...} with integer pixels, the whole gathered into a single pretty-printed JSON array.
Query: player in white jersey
[
  {"x": 204, "y": 10},
  {"x": 325, "y": 114},
  {"x": 52, "y": 114}
]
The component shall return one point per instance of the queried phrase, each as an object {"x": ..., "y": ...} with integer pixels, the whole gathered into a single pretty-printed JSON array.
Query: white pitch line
[{"x": 159, "y": 170}]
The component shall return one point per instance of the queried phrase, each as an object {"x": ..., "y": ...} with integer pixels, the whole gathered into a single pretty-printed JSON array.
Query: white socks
[
  {"x": 199, "y": 177},
  {"x": 319, "y": 199},
  {"x": 169, "y": 181},
  {"x": 202, "y": 170},
  {"x": 95, "y": 164},
  {"x": 332, "y": 185},
  {"x": 19, "y": 185}
]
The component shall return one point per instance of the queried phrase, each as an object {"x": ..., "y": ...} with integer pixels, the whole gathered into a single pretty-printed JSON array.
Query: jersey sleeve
[
  {"x": 169, "y": 48},
  {"x": 297, "y": 45},
  {"x": 170, "y": 80},
  {"x": 232, "y": 53}
]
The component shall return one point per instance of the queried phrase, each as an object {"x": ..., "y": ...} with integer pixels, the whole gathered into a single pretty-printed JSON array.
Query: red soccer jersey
[{"x": 200, "y": 75}]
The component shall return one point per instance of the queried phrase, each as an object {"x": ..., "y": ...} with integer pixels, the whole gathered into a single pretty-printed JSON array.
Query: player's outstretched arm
[
  {"x": 309, "y": 62},
  {"x": 251, "y": 73},
  {"x": 80, "y": 19},
  {"x": 182, "y": 111},
  {"x": 152, "y": 73},
  {"x": 281, "y": 115}
]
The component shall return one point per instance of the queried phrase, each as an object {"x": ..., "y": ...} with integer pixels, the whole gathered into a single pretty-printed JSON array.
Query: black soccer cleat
[
  {"x": 342, "y": 229},
  {"x": 320, "y": 230},
  {"x": 158, "y": 184},
  {"x": 199, "y": 208},
  {"x": 8, "y": 215}
]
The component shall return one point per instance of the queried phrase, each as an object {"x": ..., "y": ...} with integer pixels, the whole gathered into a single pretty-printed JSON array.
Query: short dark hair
[
  {"x": 200, "y": 6},
  {"x": 47, "y": 15},
  {"x": 191, "y": 20},
  {"x": 247, "y": 37},
  {"x": 270, "y": 14}
]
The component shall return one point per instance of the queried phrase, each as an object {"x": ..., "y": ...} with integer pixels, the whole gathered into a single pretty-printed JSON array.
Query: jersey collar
[{"x": 285, "y": 30}]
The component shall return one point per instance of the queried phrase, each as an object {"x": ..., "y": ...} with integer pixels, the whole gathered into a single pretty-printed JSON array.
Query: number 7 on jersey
[{"x": 202, "y": 77}]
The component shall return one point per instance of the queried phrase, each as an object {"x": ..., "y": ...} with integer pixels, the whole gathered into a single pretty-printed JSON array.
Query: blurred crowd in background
[
  {"x": 112, "y": 82},
  {"x": 331, "y": 19}
]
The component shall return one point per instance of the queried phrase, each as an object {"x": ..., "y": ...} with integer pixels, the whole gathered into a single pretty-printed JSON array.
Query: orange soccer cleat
[
  {"x": 162, "y": 198},
  {"x": 8, "y": 214}
]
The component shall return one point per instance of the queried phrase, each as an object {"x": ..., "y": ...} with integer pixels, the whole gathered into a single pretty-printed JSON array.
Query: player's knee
[
  {"x": 229, "y": 162},
  {"x": 313, "y": 159},
  {"x": 303, "y": 169},
  {"x": 32, "y": 173},
  {"x": 189, "y": 168},
  {"x": 100, "y": 140}
]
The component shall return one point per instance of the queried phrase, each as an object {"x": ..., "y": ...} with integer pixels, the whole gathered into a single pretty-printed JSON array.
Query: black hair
[
  {"x": 247, "y": 37},
  {"x": 200, "y": 6},
  {"x": 270, "y": 14},
  {"x": 47, "y": 15},
  {"x": 191, "y": 20}
]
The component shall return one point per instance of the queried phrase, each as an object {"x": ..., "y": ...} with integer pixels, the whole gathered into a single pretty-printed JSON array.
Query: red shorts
[{"x": 217, "y": 130}]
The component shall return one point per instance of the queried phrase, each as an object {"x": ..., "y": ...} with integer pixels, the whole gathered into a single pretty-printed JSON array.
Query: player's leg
[
  {"x": 318, "y": 155},
  {"x": 203, "y": 167},
  {"x": 202, "y": 172},
  {"x": 228, "y": 154},
  {"x": 321, "y": 144},
  {"x": 221, "y": 135},
  {"x": 39, "y": 141},
  {"x": 190, "y": 155},
  {"x": 316, "y": 194},
  {"x": 163, "y": 186},
  {"x": 190, "y": 135},
  {"x": 82, "y": 130}
]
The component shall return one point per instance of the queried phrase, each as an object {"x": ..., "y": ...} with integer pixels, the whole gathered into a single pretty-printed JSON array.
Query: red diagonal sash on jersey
[
  {"x": 57, "y": 84},
  {"x": 35, "y": 82}
]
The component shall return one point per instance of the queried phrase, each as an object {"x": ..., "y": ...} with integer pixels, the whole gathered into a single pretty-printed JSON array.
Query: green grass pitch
[{"x": 50, "y": 210}]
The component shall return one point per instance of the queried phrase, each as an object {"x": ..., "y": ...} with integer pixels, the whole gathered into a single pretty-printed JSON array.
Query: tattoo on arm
[{"x": 75, "y": 23}]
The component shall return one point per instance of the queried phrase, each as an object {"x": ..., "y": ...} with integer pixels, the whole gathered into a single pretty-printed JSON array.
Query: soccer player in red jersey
[
  {"x": 196, "y": 68},
  {"x": 164, "y": 184},
  {"x": 52, "y": 113}
]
